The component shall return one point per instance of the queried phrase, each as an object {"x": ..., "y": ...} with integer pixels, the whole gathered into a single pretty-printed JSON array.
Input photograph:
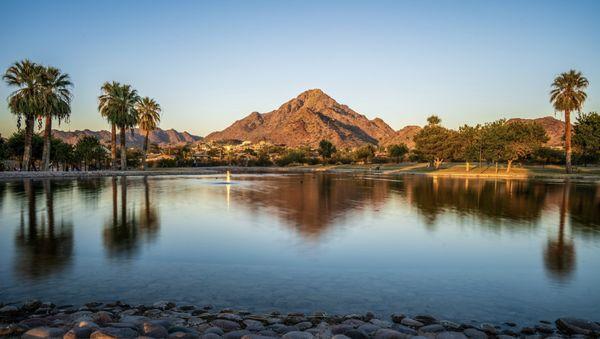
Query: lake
[{"x": 460, "y": 249}]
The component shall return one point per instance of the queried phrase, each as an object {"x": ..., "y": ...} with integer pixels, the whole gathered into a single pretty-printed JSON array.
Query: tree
[
  {"x": 25, "y": 100},
  {"x": 15, "y": 146},
  {"x": 326, "y": 149},
  {"x": 504, "y": 141},
  {"x": 434, "y": 120},
  {"x": 89, "y": 149},
  {"x": 364, "y": 153},
  {"x": 56, "y": 103},
  {"x": 522, "y": 139},
  {"x": 587, "y": 136},
  {"x": 148, "y": 118},
  {"x": 434, "y": 142},
  {"x": 3, "y": 152},
  {"x": 568, "y": 95},
  {"x": 397, "y": 151},
  {"x": 469, "y": 144},
  {"x": 117, "y": 105},
  {"x": 61, "y": 153}
]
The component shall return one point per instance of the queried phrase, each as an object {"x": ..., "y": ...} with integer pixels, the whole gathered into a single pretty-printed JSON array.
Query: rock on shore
[{"x": 166, "y": 319}]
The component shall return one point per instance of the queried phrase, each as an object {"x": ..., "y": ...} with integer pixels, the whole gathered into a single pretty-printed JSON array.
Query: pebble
[
  {"x": 44, "y": 332},
  {"x": 475, "y": 333},
  {"x": 297, "y": 335},
  {"x": 577, "y": 326},
  {"x": 433, "y": 328},
  {"x": 79, "y": 332},
  {"x": 386, "y": 333},
  {"x": 238, "y": 334},
  {"x": 210, "y": 336},
  {"x": 397, "y": 317},
  {"x": 356, "y": 334},
  {"x": 113, "y": 332},
  {"x": 450, "y": 335},
  {"x": 215, "y": 330},
  {"x": 411, "y": 322},
  {"x": 183, "y": 335},
  {"x": 226, "y": 325},
  {"x": 154, "y": 330}
]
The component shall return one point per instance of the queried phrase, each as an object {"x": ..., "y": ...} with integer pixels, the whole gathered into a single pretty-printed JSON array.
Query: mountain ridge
[
  {"x": 158, "y": 136},
  {"x": 305, "y": 121}
]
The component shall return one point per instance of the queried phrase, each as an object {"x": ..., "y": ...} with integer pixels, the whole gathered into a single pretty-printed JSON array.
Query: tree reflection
[
  {"x": 559, "y": 255},
  {"x": 43, "y": 246},
  {"x": 494, "y": 200},
  {"x": 126, "y": 228}
]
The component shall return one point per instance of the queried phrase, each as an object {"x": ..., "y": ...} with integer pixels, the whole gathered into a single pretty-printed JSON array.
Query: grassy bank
[{"x": 591, "y": 173}]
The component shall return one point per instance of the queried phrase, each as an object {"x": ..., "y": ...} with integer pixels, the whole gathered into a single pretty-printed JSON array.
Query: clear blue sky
[{"x": 211, "y": 62}]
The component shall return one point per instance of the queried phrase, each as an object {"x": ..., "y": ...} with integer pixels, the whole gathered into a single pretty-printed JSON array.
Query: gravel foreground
[{"x": 164, "y": 319}]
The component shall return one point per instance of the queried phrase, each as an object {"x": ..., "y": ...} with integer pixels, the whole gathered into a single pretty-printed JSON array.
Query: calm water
[{"x": 459, "y": 249}]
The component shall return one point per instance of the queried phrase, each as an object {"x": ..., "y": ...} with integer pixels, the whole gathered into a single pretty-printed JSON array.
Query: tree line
[{"x": 43, "y": 93}]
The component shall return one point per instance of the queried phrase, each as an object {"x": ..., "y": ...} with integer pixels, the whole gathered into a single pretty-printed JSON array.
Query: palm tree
[
  {"x": 148, "y": 119},
  {"x": 117, "y": 105},
  {"x": 567, "y": 95},
  {"x": 24, "y": 102},
  {"x": 107, "y": 108},
  {"x": 56, "y": 101}
]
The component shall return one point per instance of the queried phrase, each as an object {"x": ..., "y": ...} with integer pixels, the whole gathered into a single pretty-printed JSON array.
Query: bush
[{"x": 292, "y": 157}]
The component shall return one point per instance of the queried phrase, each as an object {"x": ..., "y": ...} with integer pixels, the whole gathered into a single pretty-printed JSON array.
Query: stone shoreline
[{"x": 164, "y": 319}]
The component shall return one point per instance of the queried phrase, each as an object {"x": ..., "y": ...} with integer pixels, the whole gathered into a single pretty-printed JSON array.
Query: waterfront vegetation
[{"x": 43, "y": 93}]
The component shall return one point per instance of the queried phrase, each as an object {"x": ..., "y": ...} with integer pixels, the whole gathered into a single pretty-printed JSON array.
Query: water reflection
[
  {"x": 127, "y": 227},
  {"x": 44, "y": 247},
  {"x": 491, "y": 200},
  {"x": 311, "y": 204},
  {"x": 559, "y": 255},
  {"x": 126, "y": 212}
]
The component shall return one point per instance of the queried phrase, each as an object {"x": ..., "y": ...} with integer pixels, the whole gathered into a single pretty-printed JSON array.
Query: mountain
[
  {"x": 402, "y": 136},
  {"x": 555, "y": 129},
  {"x": 306, "y": 120},
  {"x": 159, "y": 136}
]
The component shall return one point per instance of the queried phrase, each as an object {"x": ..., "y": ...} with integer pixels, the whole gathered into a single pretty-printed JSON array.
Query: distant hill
[
  {"x": 159, "y": 136},
  {"x": 306, "y": 120},
  {"x": 402, "y": 136},
  {"x": 555, "y": 129}
]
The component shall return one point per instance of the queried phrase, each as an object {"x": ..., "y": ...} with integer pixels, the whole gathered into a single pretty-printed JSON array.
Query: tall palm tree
[
  {"x": 117, "y": 105},
  {"x": 25, "y": 101},
  {"x": 56, "y": 102},
  {"x": 148, "y": 118},
  {"x": 107, "y": 108},
  {"x": 568, "y": 95}
]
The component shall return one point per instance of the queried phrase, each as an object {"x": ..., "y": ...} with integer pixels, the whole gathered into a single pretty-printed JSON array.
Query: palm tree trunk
[
  {"x": 113, "y": 149},
  {"x": 568, "y": 142},
  {"x": 29, "y": 126},
  {"x": 145, "y": 152},
  {"x": 46, "y": 151},
  {"x": 123, "y": 150}
]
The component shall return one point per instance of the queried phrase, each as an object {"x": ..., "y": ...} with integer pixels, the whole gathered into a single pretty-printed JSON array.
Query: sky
[{"x": 209, "y": 63}]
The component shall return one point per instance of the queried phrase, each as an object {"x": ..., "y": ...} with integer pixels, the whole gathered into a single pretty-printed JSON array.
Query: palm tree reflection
[
  {"x": 43, "y": 247},
  {"x": 559, "y": 254},
  {"x": 124, "y": 231}
]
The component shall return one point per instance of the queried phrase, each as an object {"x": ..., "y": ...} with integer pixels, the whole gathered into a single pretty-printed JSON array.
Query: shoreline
[
  {"x": 359, "y": 169},
  {"x": 35, "y": 319}
]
